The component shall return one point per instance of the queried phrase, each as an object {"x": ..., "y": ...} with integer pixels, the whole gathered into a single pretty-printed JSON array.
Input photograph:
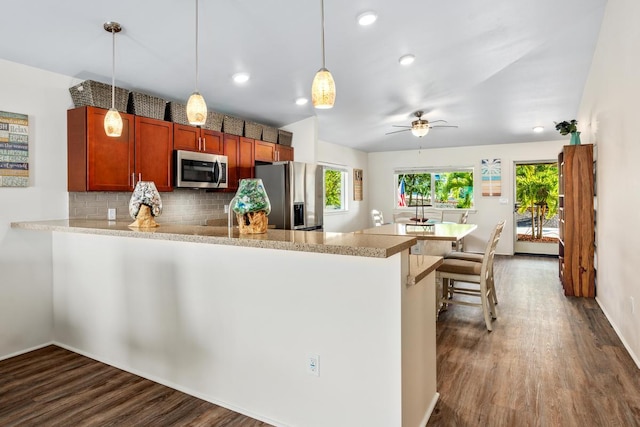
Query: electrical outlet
[
  {"x": 226, "y": 208},
  {"x": 313, "y": 365},
  {"x": 111, "y": 214}
]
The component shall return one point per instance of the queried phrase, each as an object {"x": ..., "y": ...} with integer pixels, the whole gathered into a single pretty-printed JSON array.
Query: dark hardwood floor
[
  {"x": 55, "y": 387},
  {"x": 550, "y": 361}
]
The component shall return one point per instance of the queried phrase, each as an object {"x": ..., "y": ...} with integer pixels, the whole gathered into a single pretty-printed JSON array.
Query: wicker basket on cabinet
[
  {"x": 142, "y": 104},
  {"x": 96, "y": 94}
]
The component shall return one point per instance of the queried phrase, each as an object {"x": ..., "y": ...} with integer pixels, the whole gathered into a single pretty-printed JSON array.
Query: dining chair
[
  {"x": 403, "y": 217},
  {"x": 458, "y": 277},
  {"x": 458, "y": 245},
  {"x": 377, "y": 217}
]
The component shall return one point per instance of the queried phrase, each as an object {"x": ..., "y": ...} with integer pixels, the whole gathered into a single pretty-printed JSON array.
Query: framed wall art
[
  {"x": 14, "y": 149},
  {"x": 491, "y": 177},
  {"x": 357, "y": 184}
]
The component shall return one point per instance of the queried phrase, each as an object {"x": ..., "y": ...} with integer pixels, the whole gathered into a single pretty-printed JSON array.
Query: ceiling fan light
[
  {"x": 323, "y": 90},
  {"x": 113, "y": 123},
  {"x": 196, "y": 110},
  {"x": 419, "y": 128}
]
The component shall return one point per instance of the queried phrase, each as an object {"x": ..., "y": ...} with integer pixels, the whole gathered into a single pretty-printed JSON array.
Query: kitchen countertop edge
[{"x": 352, "y": 244}]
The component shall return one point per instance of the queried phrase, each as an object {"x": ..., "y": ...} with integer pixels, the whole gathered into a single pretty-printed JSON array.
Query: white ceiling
[{"x": 495, "y": 68}]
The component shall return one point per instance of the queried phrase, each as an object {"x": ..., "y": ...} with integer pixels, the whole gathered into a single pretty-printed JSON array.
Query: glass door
[{"x": 536, "y": 208}]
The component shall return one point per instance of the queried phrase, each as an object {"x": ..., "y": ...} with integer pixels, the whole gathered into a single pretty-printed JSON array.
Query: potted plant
[{"x": 571, "y": 127}]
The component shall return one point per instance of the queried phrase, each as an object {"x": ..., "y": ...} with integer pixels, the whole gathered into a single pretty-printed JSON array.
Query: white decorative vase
[{"x": 146, "y": 194}]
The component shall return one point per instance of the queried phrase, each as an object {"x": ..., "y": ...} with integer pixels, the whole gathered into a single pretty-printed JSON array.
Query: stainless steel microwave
[{"x": 200, "y": 170}]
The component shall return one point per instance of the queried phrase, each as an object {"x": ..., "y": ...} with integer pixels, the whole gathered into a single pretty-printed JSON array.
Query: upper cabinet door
[
  {"x": 246, "y": 159},
  {"x": 153, "y": 153},
  {"x": 212, "y": 141},
  {"x": 284, "y": 153},
  {"x": 185, "y": 137},
  {"x": 109, "y": 160},
  {"x": 265, "y": 151}
]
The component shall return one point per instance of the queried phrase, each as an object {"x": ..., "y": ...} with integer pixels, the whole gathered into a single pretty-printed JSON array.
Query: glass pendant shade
[
  {"x": 196, "y": 110},
  {"x": 323, "y": 90},
  {"x": 113, "y": 123},
  {"x": 113, "y": 120},
  {"x": 419, "y": 128}
]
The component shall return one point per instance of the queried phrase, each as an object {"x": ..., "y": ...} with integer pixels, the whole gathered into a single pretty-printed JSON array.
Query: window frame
[
  {"x": 344, "y": 188},
  {"x": 433, "y": 170}
]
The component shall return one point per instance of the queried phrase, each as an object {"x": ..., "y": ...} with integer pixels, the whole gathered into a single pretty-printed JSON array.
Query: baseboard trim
[
  {"x": 18, "y": 353},
  {"x": 430, "y": 409},
  {"x": 615, "y": 328}
]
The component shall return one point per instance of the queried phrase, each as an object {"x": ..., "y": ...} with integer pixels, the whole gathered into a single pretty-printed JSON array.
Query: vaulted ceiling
[{"x": 495, "y": 68}]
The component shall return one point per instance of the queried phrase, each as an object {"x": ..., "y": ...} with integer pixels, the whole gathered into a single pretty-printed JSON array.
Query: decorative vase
[
  {"x": 575, "y": 138},
  {"x": 251, "y": 205},
  {"x": 145, "y": 204}
]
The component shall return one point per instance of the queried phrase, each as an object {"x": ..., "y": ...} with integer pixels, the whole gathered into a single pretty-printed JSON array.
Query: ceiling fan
[{"x": 420, "y": 127}]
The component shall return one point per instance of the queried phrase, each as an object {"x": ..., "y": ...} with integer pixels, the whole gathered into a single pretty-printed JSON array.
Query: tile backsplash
[{"x": 184, "y": 206}]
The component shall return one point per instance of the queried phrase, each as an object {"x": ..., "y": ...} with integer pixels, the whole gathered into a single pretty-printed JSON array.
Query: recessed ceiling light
[
  {"x": 367, "y": 18},
  {"x": 241, "y": 77},
  {"x": 301, "y": 101},
  {"x": 407, "y": 59},
  {"x": 538, "y": 129}
]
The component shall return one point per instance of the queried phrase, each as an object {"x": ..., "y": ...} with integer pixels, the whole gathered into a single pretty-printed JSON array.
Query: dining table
[{"x": 433, "y": 238}]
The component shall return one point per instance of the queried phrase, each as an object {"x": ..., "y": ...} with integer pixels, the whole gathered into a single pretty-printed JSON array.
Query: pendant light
[
  {"x": 113, "y": 121},
  {"x": 323, "y": 89},
  {"x": 196, "y": 106}
]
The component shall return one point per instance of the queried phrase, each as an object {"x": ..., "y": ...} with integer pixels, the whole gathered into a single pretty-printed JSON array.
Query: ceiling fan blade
[
  {"x": 443, "y": 126},
  {"x": 436, "y": 121},
  {"x": 400, "y": 126},
  {"x": 397, "y": 131}
]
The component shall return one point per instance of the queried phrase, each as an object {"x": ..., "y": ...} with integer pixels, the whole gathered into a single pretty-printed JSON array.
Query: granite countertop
[{"x": 305, "y": 241}]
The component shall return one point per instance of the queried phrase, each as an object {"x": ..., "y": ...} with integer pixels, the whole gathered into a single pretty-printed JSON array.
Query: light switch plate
[{"x": 111, "y": 214}]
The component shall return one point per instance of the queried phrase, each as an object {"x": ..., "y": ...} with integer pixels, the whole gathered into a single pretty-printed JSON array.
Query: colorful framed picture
[
  {"x": 14, "y": 150},
  {"x": 491, "y": 177}
]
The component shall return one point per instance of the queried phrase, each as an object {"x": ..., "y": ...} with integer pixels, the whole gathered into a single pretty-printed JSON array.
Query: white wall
[
  {"x": 608, "y": 117},
  {"x": 305, "y": 135},
  {"x": 240, "y": 337},
  {"x": 25, "y": 260},
  {"x": 357, "y": 215},
  {"x": 489, "y": 210}
]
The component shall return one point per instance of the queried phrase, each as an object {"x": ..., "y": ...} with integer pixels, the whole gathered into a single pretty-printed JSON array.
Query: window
[
  {"x": 451, "y": 188},
  {"x": 335, "y": 189}
]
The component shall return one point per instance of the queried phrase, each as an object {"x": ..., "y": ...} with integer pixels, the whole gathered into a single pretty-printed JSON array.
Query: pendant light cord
[
  {"x": 322, "y": 15},
  {"x": 196, "y": 45},
  {"x": 113, "y": 68}
]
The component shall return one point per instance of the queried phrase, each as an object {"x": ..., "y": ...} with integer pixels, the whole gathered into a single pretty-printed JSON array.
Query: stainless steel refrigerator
[{"x": 295, "y": 190}]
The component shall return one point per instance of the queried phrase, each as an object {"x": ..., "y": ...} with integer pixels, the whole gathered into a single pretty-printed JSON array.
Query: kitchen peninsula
[{"x": 234, "y": 319}]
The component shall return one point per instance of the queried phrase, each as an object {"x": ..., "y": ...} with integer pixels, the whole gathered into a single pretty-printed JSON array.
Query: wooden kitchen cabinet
[
  {"x": 153, "y": 152},
  {"x": 270, "y": 152},
  {"x": 284, "y": 153},
  {"x": 577, "y": 220},
  {"x": 96, "y": 162},
  {"x": 197, "y": 139},
  {"x": 240, "y": 153}
]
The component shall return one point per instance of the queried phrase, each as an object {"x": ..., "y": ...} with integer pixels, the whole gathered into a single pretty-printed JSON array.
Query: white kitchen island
[{"x": 235, "y": 319}]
